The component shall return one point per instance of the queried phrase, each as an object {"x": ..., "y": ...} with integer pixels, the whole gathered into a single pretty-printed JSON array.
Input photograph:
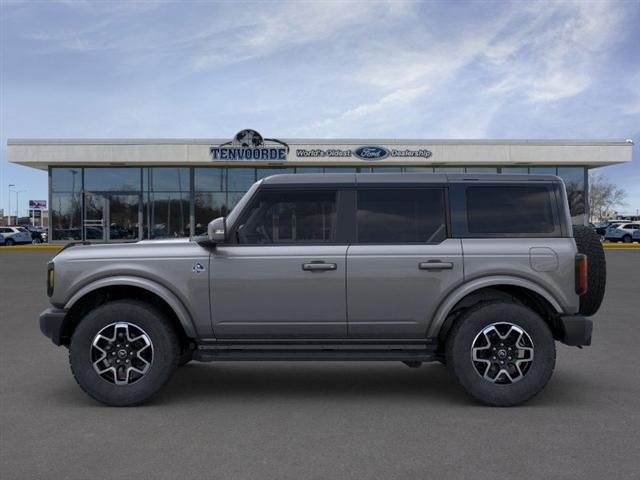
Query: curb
[
  {"x": 26, "y": 248},
  {"x": 621, "y": 246}
]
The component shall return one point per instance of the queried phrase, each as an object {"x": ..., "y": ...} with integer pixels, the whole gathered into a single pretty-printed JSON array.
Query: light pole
[
  {"x": 18, "y": 192},
  {"x": 9, "y": 212}
]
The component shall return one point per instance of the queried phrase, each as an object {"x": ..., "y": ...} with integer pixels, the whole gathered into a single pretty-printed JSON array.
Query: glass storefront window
[
  {"x": 481, "y": 170},
  {"x": 66, "y": 216},
  {"x": 66, "y": 179},
  {"x": 208, "y": 206},
  {"x": 166, "y": 179},
  {"x": 516, "y": 170},
  {"x": 240, "y": 179},
  {"x": 166, "y": 215},
  {"x": 267, "y": 172},
  {"x": 383, "y": 169},
  {"x": 340, "y": 170},
  {"x": 543, "y": 170},
  {"x": 112, "y": 179},
  {"x": 309, "y": 169},
  {"x": 449, "y": 169},
  {"x": 418, "y": 169},
  {"x": 210, "y": 179},
  {"x": 573, "y": 178}
]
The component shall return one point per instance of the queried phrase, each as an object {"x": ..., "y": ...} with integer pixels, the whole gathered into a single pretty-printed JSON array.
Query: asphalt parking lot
[{"x": 318, "y": 420}]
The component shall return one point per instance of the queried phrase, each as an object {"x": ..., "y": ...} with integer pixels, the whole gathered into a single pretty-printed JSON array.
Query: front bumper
[
  {"x": 575, "y": 331},
  {"x": 52, "y": 324}
]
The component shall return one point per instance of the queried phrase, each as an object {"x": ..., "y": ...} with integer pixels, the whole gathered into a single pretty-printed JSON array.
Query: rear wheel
[
  {"x": 626, "y": 239},
  {"x": 9, "y": 242},
  {"x": 123, "y": 352},
  {"x": 36, "y": 241},
  {"x": 502, "y": 353}
]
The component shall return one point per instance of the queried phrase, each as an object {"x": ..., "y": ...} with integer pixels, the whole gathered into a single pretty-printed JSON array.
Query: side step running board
[{"x": 226, "y": 353}]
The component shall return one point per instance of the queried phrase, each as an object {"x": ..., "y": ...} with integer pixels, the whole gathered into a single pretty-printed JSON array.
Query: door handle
[
  {"x": 435, "y": 265},
  {"x": 319, "y": 266}
]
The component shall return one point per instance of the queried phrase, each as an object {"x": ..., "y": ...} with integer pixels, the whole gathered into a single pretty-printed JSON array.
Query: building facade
[{"x": 131, "y": 189}]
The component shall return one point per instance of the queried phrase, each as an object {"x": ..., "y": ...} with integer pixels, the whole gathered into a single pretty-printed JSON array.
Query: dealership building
[{"x": 132, "y": 189}]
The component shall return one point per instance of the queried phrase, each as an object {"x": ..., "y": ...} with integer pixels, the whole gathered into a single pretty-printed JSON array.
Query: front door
[
  {"x": 284, "y": 276},
  {"x": 112, "y": 217},
  {"x": 401, "y": 264}
]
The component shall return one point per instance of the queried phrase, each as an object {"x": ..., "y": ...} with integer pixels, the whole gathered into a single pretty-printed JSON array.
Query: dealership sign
[
  {"x": 250, "y": 145},
  {"x": 365, "y": 152},
  {"x": 37, "y": 204}
]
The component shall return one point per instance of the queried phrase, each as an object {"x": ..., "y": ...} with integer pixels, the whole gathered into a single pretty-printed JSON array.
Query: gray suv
[{"x": 480, "y": 272}]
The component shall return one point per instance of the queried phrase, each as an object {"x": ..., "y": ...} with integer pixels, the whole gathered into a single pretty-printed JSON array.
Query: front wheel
[
  {"x": 626, "y": 239},
  {"x": 502, "y": 353},
  {"x": 123, "y": 352}
]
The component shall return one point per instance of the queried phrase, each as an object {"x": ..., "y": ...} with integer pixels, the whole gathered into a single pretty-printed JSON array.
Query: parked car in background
[
  {"x": 622, "y": 232},
  {"x": 15, "y": 235},
  {"x": 1, "y": 239},
  {"x": 636, "y": 236},
  {"x": 38, "y": 234},
  {"x": 601, "y": 228}
]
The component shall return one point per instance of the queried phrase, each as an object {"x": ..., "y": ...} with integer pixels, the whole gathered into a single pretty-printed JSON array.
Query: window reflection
[
  {"x": 65, "y": 216},
  {"x": 112, "y": 179},
  {"x": 166, "y": 215},
  {"x": 66, "y": 179}
]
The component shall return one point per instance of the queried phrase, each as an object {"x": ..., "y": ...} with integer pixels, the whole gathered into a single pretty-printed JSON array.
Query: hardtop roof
[{"x": 353, "y": 179}]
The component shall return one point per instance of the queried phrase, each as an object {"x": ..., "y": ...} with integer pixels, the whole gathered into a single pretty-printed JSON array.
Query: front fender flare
[
  {"x": 465, "y": 289},
  {"x": 151, "y": 286}
]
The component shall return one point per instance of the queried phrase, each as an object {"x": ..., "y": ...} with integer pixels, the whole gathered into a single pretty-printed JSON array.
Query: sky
[{"x": 374, "y": 69}]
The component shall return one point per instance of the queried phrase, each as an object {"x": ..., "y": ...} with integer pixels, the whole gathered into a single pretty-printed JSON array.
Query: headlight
[{"x": 51, "y": 278}]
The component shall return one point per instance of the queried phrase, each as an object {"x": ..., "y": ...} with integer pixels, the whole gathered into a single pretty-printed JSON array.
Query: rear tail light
[{"x": 582, "y": 278}]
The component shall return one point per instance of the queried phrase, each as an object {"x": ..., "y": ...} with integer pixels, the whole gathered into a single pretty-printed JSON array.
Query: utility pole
[{"x": 9, "y": 212}]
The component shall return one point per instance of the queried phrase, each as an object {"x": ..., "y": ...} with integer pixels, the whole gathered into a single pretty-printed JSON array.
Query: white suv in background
[
  {"x": 622, "y": 232},
  {"x": 15, "y": 235}
]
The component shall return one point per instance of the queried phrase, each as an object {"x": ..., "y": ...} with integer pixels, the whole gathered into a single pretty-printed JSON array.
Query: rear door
[
  {"x": 286, "y": 275},
  {"x": 401, "y": 263}
]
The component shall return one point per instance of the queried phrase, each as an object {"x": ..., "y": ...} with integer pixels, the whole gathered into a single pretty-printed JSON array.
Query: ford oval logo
[{"x": 371, "y": 153}]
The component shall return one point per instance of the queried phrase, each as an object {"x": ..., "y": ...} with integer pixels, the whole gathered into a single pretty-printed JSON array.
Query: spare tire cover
[{"x": 588, "y": 243}]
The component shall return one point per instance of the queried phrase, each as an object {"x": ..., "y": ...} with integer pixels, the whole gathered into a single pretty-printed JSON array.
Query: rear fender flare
[{"x": 462, "y": 291}]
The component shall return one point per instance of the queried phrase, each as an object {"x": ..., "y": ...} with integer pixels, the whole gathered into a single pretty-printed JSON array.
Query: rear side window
[
  {"x": 509, "y": 210},
  {"x": 401, "y": 216}
]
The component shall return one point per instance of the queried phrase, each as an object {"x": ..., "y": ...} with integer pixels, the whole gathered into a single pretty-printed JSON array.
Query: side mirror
[{"x": 217, "y": 230}]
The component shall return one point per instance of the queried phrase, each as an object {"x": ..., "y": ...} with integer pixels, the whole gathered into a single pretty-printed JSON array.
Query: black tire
[
  {"x": 589, "y": 244},
  {"x": 165, "y": 348},
  {"x": 36, "y": 241},
  {"x": 9, "y": 242},
  {"x": 469, "y": 326},
  {"x": 626, "y": 239}
]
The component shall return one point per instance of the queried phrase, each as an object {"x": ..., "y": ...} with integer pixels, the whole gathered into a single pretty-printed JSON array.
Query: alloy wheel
[
  {"x": 502, "y": 353},
  {"x": 121, "y": 353}
]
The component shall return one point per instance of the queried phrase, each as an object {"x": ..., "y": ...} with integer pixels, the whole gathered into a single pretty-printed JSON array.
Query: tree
[{"x": 604, "y": 196}]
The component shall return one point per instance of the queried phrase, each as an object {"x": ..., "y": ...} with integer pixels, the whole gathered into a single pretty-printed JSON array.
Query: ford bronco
[{"x": 483, "y": 273}]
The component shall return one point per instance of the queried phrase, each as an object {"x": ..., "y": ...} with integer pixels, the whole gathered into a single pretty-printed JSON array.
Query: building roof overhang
[{"x": 44, "y": 153}]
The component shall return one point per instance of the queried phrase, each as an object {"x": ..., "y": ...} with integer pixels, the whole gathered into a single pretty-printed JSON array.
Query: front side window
[
  {"x": 509, "y": 210},
  {"x": 289, "y": 217},
  {"x": 401, "y": 216}
]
